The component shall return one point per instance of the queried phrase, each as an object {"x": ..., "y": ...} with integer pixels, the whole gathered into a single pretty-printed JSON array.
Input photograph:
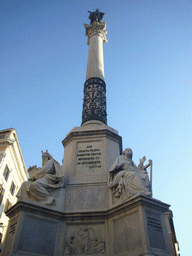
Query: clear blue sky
[{"x": 147, "y": 72}]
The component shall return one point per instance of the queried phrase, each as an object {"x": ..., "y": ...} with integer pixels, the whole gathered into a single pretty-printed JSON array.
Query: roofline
[
  {"x": 7, "y": 130},
  {"x": 17, "y": 141}
]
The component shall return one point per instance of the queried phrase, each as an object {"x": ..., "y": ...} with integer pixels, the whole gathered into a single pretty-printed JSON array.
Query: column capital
[{"x": 97, "y": 28}]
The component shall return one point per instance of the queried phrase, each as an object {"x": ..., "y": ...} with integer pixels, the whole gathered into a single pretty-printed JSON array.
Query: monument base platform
[{"x": 135, "y": 227}]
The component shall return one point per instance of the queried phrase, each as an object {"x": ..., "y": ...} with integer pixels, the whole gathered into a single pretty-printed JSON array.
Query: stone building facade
[{"x": 12, "y": 174}]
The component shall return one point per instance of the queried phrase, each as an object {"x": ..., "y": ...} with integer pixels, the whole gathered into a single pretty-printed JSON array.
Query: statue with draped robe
[
  {"x": 42, "y": 181},
  {"x": 126, "y": 179}
]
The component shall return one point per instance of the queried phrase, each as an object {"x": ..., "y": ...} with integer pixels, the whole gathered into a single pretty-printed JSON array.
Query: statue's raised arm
[{"x": 96, "y": 16}]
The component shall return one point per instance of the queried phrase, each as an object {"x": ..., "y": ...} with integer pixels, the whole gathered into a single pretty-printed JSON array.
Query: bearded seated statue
[
  {"x": 45, "y": 185},
  {"x": 126, "y": 179}
]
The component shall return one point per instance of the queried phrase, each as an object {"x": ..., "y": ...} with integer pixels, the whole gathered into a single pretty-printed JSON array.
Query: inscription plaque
[
  {"x": 39, "y": 240},
  {"x": 89, "y": 157},
  {"x": 155, "y": 231}
]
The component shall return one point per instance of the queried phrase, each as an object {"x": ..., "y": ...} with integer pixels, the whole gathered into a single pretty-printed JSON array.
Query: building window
[
  {"x": 2, "y": 191},
  {"x": 2, "y": 136},
  {"x": 12, "y": 188},
  {"x": 7, "y": 205},
  {"x": 1, "y": 209},
  {"x": 6, "y": 173},
  {"x": 1, "y": 236}
]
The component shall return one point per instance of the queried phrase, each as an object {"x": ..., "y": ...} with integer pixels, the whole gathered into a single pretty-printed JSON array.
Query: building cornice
[{"x": 12, "y": 143}]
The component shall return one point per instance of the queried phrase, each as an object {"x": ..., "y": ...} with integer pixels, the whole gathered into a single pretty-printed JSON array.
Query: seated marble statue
[
  {"x": 126, "y": 179},
  {"x": 42, "y": 181}
]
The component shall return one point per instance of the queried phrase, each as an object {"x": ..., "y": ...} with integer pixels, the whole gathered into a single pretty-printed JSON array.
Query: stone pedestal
[
  {"x": 135, "y": 227},
  {"x": 138, "y": 227},
  {"x": 89, "y": 152},
  {"x": 34, "y": 229},
  {"x": 85, "y": 218}
]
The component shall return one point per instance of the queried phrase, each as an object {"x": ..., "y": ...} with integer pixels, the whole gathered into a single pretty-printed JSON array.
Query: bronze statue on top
[{"x": 96, "y": 16}]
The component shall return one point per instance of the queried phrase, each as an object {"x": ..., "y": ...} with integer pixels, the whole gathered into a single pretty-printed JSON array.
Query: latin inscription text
[{"x": 90, "y": 157}]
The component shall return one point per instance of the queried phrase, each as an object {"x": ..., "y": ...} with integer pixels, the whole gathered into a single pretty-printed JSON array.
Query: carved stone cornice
[
  {"x": 99, "y": 133},
  {"x": 6, "y": 142},
  {"x": 124, "y": 207},
  {"x": 97, "y": 28},
  {"x": 168, "y": 214}
]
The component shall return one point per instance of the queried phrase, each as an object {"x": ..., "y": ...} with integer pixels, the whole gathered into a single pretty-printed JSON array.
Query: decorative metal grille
[{"x": 94, "y": 102}]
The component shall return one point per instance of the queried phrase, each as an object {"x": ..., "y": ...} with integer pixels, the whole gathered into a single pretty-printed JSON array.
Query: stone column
[
  {"x": 94, "y": 104},
  {"x": 96, "y": 37}
]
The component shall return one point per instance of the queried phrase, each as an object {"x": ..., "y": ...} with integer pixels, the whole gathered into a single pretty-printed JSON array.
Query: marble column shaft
[{"x": 96, "y": 37}]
